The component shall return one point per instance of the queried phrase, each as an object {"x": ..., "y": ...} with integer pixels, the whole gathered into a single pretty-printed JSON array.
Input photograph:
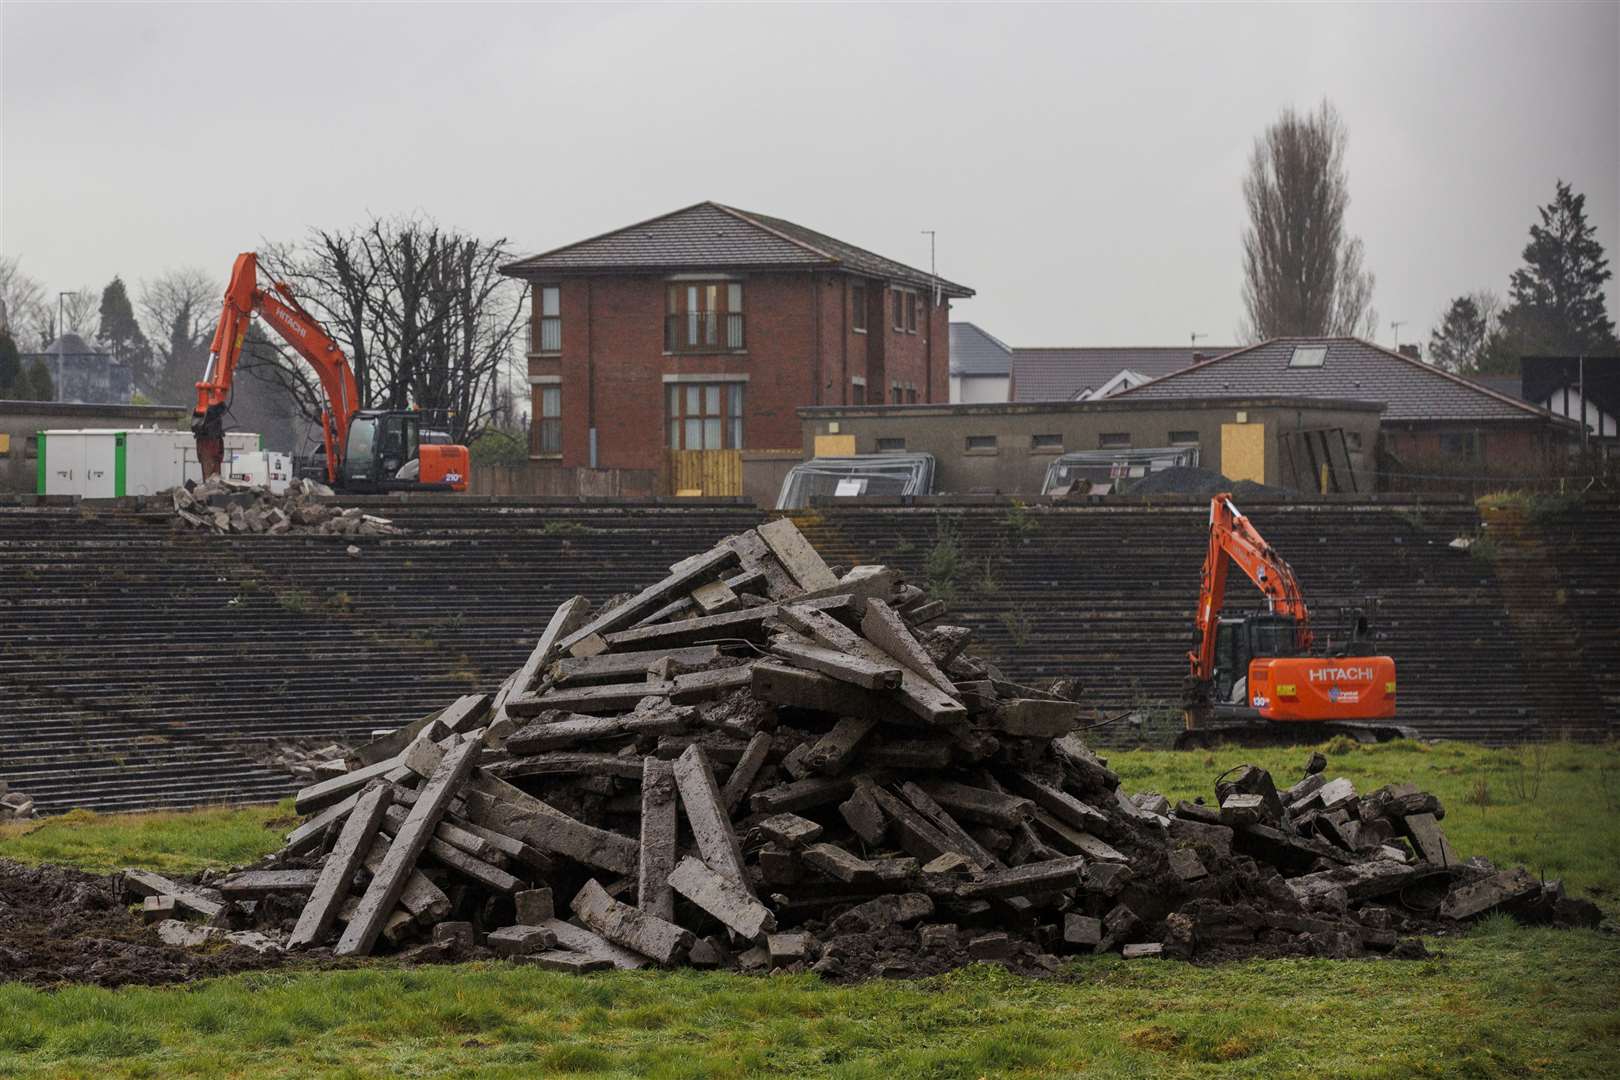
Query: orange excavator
[
  {"x": 1266, "y": 676},
  {"x": 366, "y": 450}
]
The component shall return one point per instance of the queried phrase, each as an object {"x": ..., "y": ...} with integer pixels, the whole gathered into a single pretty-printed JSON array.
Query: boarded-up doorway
[
  {"x": 711, "y": 473},
  {"x": 1243, "y": 452}
]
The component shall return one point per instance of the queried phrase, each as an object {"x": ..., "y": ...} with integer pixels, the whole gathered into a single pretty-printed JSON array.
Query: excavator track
[{"x": 1240, "y": 732}]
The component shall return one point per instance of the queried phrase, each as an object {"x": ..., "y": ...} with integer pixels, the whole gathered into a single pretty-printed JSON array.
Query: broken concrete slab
[
  {"x": 659, "y": 826},
  {"x": 1467, "y": 901},
  {"x": 337, "y": 876},
  {"x": 723, "y": 898},
  {"x": 707, "y": 815},
  {"x": 578, "y": 940},
  {"x": 632, "y": 928},
  {"x": 520, "y": 940}
]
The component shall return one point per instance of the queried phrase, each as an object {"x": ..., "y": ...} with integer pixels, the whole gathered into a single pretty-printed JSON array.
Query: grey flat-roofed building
[{"x": 1006, "y": 448}]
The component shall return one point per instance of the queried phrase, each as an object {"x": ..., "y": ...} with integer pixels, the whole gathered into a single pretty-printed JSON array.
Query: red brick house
[{"x": 680, "y": 342}]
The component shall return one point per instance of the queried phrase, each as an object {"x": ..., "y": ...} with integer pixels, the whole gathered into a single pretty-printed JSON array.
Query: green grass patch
[
  {"x": 169, "y": 842},
  {"x": 1505, "y": 1001}
]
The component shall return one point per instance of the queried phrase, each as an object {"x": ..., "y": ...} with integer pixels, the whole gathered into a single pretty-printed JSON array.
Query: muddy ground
[{"x": 59, "y": 925}]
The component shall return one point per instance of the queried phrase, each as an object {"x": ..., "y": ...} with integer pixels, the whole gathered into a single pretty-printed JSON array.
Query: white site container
[
  {"x": 260, "y": 468},
  {"x": 107, "y": 463}
]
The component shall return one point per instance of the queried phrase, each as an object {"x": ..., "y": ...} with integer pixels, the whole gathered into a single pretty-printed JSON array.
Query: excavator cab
[
  {"x": 380, "y": 443},
  {"x": 1240, "y": 640},
  {"x": 386, "y": 452}
]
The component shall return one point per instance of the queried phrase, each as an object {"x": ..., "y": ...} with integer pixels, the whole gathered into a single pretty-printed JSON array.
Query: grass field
[{"x": 1502, "y": 1001}]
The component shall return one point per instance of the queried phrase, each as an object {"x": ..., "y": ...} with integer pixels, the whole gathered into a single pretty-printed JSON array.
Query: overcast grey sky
[{"x": 1080, "y": 163}]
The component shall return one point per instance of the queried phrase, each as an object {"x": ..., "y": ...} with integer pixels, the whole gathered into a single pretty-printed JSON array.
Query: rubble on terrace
[
  {"x": 14, "y": 805},
  {"x": 227, "y": 506},
  {"x": 757, "y": 764}
]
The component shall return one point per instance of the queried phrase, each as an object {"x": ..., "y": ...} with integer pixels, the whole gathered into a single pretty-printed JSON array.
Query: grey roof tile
[
  {"x": 1058, "y": 374},
  {"x": 1511, "y": 385},
  {"x": 709, "y": 236},
  {"x": 975, "y": 352},
  {"x": 1352, "y": 369}
]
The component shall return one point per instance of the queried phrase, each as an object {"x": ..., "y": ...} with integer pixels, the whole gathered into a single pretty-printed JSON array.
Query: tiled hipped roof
[
  {"x": 1351, "y": 368},
  {"x": 710, "y": 236}
]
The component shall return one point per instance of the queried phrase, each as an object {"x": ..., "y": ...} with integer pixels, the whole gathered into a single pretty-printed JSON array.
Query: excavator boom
[
  {"x": 1234, "y": 539},
  {"x": 244, "y": 299}
]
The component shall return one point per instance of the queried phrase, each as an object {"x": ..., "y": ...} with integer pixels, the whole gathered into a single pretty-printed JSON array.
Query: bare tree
[
  {"x": 1302, "y": 275},
  {"x": 423, "y": 312},
  {"x": 25, "y": 310},
  {"x": 179, "y": 310}
]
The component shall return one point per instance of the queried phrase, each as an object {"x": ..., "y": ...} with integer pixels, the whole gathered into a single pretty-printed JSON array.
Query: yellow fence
[{"x": 704, "y": 472}]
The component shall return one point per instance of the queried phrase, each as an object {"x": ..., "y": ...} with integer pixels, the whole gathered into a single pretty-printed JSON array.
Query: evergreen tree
[
  {"x": 35, "y": 384},
  {"x": 10, "y": 365},
  {"x": 121, "y": 335},
  {"x": 1458, "y": 343},
  {"x": 1556, "y": 305}
]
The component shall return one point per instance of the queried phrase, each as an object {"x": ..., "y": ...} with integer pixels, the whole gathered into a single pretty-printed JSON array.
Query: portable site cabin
[
  {"x": 108, "y": 463},
  {"x": 864, "y": 474},
  {"x": 1103, "y": 472}
]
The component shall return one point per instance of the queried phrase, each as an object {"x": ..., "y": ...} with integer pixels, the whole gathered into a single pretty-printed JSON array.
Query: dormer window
[{"x": 1308, "y": 356}]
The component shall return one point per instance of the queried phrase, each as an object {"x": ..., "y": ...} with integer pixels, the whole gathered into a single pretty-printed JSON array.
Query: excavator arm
[
  {"x": 279, "y": 308},
  {"x": 1233, "y": 539}
]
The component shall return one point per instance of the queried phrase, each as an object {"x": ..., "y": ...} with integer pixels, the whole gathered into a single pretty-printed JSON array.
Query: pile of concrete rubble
[
  {"x": 756, "y": 763},
  {"x": 227, "y": 506}
]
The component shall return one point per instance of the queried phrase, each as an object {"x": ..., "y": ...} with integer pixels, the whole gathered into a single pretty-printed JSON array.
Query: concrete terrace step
[{"x": 117, "y": 629}]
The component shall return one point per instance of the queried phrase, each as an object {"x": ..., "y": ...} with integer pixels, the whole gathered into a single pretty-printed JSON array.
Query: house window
[
  {"x": 899, "y": 309},
  {"x": 857, "y": 394},
  {"x": 548, "y": 426},
  {"x": 1465, "y": 445},
  {"x": 547, "y": 327},
  {"x": 911, "y": 394},
  {"x": 857, "y": 308},
  {"x": 1046, "y": 442},
  {"x": 1114, "y": 440},
  {"x": 981, "y": 442},
  {"x": 897, "y": 394},
  {"x": 1184, "y": 438},
  {"x": 1308, "y": 356},
  {"x": 704, "y": 317},
  {"x": 31, "y": 448},
  {"x": 704, "y": 416},
  {"x": 889, "y": 445},
  {"x": 911, "y": 312}
]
